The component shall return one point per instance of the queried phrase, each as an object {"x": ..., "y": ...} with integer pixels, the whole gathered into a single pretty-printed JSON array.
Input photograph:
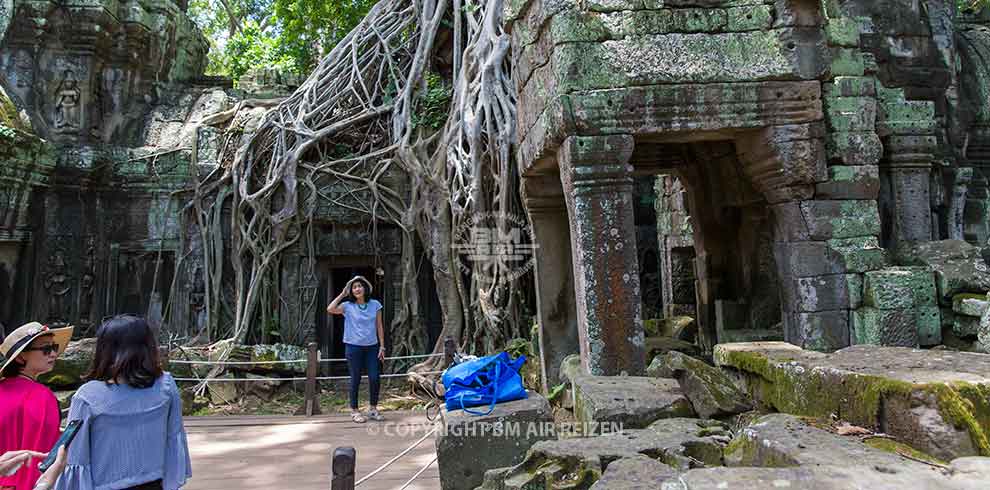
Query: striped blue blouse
[{"x": 129, "y": 436}]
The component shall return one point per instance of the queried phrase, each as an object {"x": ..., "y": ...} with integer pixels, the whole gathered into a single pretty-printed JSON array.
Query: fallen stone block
[
  {"x": 469, "y": 445},
  {"x": 633, "y": 401},
  {"x": 711, "y": 392},
  {"x": 784, "y": 440},
  {"x": 678, "y": 443},
  {"x": 635, "y": 473},
  {"x": 935, "y": 401}
]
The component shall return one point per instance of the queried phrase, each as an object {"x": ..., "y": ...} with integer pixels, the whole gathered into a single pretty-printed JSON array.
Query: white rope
[
  {"x": 318, "y": 378},
  {"x": 200, "y": 380},
  {"x": 418, "y": 356},
  {"x": 396, "y": 458},
  {"x": 327, "y": 378},
  {"x": 298, "y": 361},
  {"x": 420, "y": 472},
  {"x": 237, "y": 363}
]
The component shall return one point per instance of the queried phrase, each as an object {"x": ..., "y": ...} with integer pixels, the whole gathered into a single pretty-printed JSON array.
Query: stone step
[
  {"x": 935, "y": 401},
  {"x": 633, "y": 402}
]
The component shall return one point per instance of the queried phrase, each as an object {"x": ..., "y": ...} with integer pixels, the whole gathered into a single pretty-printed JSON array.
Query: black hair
[
  {"x": 126, "y": 353},
  {"x": 367, "y": 291}
]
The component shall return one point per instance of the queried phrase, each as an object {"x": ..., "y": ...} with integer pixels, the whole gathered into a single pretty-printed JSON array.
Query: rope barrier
[
  {"x": 236, "y": 363},
  {"x": 396, "y": 458},
  {"x": 327, "y": 378},
  {"x": 420, "y": 472},
  {"x": 418, "y": 356},
  {"x": 298, "y": 361},
  {"x": 318, "y": 378}
]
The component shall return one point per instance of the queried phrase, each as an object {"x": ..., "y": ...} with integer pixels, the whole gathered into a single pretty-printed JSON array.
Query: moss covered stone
[
  {"x": 710, "y": 391},
  {"x": 899, "y": 288},
  {"x": 867, "y": 384}
]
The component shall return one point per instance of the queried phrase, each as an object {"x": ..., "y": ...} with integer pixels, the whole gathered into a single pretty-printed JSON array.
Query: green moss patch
[
  {"x": 793, "y": 388},
  {"x": 892, "y": 446}
]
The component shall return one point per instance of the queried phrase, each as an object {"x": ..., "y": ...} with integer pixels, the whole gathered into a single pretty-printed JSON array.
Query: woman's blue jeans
[{"x": 361, "y": 359}]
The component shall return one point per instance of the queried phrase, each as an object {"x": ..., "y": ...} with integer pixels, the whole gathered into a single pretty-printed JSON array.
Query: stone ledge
[{"x": 936, "y": 401}]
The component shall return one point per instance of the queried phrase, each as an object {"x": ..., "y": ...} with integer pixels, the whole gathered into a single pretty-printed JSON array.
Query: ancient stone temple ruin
[
  {"x": 109, "y": 124},
  {"x": 819, "y": 169}
]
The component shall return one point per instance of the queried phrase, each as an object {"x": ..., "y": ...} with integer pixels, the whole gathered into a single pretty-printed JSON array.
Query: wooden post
[
  {"x": 311, "y": 404},
  {"x": 449, "y": 349},
  {"x": 342, "y": 468}
]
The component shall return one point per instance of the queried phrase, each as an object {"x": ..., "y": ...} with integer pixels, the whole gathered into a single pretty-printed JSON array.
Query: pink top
[{"x": 29, "y": 419}]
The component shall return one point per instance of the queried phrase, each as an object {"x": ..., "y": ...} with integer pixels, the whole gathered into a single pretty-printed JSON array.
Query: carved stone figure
[
  {"x": 67, "y": 100},
  {"x": 58, "y": 287}
]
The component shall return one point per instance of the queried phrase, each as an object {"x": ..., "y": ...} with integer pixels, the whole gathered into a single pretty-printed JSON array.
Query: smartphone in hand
[{"x": 67, "y": 435}]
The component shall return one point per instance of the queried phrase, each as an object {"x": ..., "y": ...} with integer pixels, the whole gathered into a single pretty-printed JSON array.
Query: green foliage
[
  {"x": 433, "y": 105},
  {"x": 972, "y": 4},
  {"x": 285, "y": 35}
]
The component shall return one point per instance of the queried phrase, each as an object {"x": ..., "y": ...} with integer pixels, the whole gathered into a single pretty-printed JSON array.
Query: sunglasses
[{"x": 45, "y": 349}]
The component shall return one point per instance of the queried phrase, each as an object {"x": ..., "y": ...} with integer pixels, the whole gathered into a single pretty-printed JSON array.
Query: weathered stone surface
[
  {"x": 959, "y": 267},
  {"x": 965, "y": 326},
  {"x": 711, "y": 392},
  {"x": 850, "y": 182},
  {"x": 633, "y": 401},
  {"x": 837, "y": 256},
  {"x": 973, "y": 305},
  {"x": 899, "y": 288},
  {"x": 469, "y": 445},
  {"x": 910, "y": 394},
  {"x": 656, "y": 346},
  {"x": 678, "y": 442},
  {"x": 825, "y": 220},
  {"x": 783, "y": 54},
  {"x": 784, "y": 440},
  {"x": 823, "y": 478},
  {"x": 71, "y": 366},
  {"x": 634, "y": 473}
]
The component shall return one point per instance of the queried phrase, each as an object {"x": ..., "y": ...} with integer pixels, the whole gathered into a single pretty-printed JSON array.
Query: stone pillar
[
  {"x": 907, "y": 129},
  {"x": 556, "y": 310},
  {"x": 597, "y": 183}
]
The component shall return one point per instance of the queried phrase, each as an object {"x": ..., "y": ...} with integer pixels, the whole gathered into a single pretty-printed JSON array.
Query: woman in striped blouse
[{"x": 132, "y": 435}]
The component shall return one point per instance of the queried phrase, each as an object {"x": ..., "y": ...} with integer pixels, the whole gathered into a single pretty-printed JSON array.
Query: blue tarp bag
[{"x": 483, "y": 381}]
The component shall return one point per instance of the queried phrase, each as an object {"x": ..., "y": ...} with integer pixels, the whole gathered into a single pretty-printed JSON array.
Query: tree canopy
[{"x": 288, "y": 35}]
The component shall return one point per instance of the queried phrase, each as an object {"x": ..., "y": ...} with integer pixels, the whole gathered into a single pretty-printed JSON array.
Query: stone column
[
  {"x": 907, "y": 129},
  {"x": 556, "y": 310},
  {"x": 598, "y": 185}
]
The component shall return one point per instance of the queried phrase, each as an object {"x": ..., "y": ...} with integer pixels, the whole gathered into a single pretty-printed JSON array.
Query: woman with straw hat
[
  {"x": 29, "y": 412},
  {"x": 364, "y": 341}
]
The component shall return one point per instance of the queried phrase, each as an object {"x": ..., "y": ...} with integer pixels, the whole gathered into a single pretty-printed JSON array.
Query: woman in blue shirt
[
  {"x": 132, "y": 435},
  {"x": 364, "y": 341}
]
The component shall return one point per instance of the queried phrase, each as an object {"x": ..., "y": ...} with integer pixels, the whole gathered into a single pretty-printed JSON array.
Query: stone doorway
[{"x": 333, "y": 275}]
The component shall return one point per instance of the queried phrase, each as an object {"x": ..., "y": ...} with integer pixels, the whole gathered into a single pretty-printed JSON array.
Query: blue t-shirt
[{"x": 360, "y": 325}]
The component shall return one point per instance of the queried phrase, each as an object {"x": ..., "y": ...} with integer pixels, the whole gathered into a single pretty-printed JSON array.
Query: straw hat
[
  {"x": 19, "y": 339},
  {"x": 347, "y": 287}
]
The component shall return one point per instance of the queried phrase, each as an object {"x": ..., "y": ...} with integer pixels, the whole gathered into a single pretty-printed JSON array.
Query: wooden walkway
[{"x": 266, "y": 453}]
